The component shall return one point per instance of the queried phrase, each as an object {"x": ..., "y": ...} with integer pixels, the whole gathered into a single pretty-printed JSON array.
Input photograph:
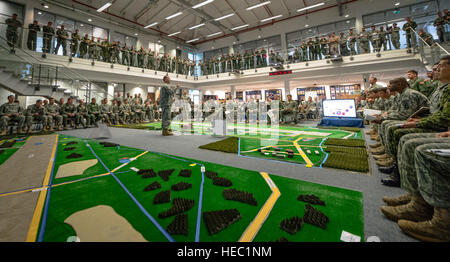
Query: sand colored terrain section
[
  {"x": 75, "y": 168},
  {"x": 102, "y": 224}
]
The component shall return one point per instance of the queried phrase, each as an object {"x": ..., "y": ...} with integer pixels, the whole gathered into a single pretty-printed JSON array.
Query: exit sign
[{"x": 285, "y": 72}]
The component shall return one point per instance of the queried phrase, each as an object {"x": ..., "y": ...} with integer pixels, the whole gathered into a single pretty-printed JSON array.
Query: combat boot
[
  {"x": 44, "y": 129},
  {"x": 66, "y": 128},
  {"x": 435, "y": 230},
  {"x": 375, "y": 145},
  {"x": 20, "y": 131},
  {"x": 50, "y": 128},
  {"x": 397, "y": 201},
  {"x": 60, "y": 128},
  {"x": 379, "y": 157},
  {"x": 3, "y": 133},
  {"x": 30, "y": 130},
  {"x": 378, "y": 151},
  {"x": 416, "y": 210},
  {"x": 166, "y": 132},
  {"x": 385, "y": 162},
  {"x": 373, "y": 137}
]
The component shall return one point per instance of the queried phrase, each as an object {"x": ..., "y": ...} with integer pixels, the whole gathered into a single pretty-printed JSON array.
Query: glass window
[
  {"x": 426, "y": 8},
  {"x": 398, "y": 13},
  {"x": 84, "y": 29},
  {"x": 100, "y": 32},
  {"x": 69, "y": 25}
]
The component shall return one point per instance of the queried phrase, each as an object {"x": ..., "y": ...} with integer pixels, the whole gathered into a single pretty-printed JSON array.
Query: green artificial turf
[
  {"x": 228, "y": 145},
  {"x": 348, "y": 158},
  {"x": 343, "y": 208},
  {"x": 345, "y": 142}
]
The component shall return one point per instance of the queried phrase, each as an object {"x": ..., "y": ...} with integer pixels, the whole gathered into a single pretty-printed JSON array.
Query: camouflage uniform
[
  {"x": 47, "y": 39},
  {"x": 114, "y": 114},
  {"x": 12, "y": 108},
  {"x": 53, "y": 114},
  {"x": 364, "y": 42},
  {"x": 74, "y": 41},
  {"x": 395, "y": 37},
  {"x": 148, "y": 111},
  {"x": 84, "y": 46},
  {"x": 105, "y": 110},
  {"x": 439, "y": 23},
  {"x": 66, "y": 110},
  {"x": 351, "y": 43},
  {"x": 422, "y": 172},
  {"x": 165, "y": 104},
  {"x": 94, "y": 113},
  {"x": 83, "y": 115},
  {"x": 41, "y": 117},
  {"x": 61, "y": 39},
  {"x": 410, "y": 36},
  {"x": 32, "y": 36},
  {"x": 11, "y": 31},
  {"x": 138, "y": 113},
  {"x": 289, "y": 111}
]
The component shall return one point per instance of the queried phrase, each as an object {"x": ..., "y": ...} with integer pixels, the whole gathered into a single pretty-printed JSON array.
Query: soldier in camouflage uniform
[
  {"x": 395, "y": 36},
  {"x": 94, "y": 112},
  {"x": 246, "y": 60},
  {"x": 125, "y": 54},
  {"x": 304, "y": 48},
  {"x": 148, "y": 109},
  {"x": 74, "y": 41},
  {"x": 351, "y": 39},
  {"x": 48, "y": 36},
  {"x": 408, "y": 27},
  {"x": 382, "y": 44},
  {"x": 105, "y": 50},
  {"x": 427, "y": 38},
  {"x": 138, "y": 113},
  {"x": 105, "y": 111},
  {"x": 364, "y": 37},
  {"x": 92, "y": 48},
  {"x": 151, "y": 60},
  {"x": 115, "y": 52},
  {"x": 69, "y": 112},
  {"x": 258, "y": 58},
  {"x": 296, "y": 57},
  {"x": 324, "y": 47},
  {"x": 82, "y": 114},
  {"x": 263, "y": 57},
  {"x": 424, "y": 212},
  {"x": 439, "y": 23},
  {"x": 166, "y": 99},
  {"x": 84, "y": 46},
  {"x": 61, "y": 39},
  {"x": 343, "y": 45},
  {"x": 36, "y": 112},
  {"x": 375, "y": 39},
  {"x": 132, "y": 55},
  {"x": 11, "y": 30},
  {"x": 252, "y": 58},
  {"x": 53, "y": 114},
  {"x": 289, "y": 111},
  {"x": 317, "y": 48},
  {"x": 11, "y": 111},
  {"x": 123, "y": 113},
  {"x": 34, "y": 28},
  {"x": 311, "y": 50}
]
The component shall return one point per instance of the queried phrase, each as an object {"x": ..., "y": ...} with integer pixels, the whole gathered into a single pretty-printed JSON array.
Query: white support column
[
  {"x": 110, "y": 91},
  {"x": 284, "y": 46},
  {"x": 366, "y": 84},
  {"x": 233, "y": 92},
  {"x": 287, "y": 89}
]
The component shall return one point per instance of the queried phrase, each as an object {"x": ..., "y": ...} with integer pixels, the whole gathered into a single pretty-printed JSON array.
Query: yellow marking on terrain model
[
  {"x": 34, "y": 225},
  {"x": 304, "y": 156},
  {"x": 254, "y": 227}
]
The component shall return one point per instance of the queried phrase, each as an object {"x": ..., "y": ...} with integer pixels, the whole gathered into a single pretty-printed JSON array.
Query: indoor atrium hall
[{"x": 217, "y": 122}]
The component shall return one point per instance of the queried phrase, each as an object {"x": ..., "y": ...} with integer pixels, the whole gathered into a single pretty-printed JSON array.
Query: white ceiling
[{"x": 146, "y": 12}]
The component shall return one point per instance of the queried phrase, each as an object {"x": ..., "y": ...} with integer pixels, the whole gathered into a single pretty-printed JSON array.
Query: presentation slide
[{"x": 339, "y": 108}]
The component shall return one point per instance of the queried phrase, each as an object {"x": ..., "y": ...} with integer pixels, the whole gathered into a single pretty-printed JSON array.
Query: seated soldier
[
  {"x": 82, "y": 114},
  {"x": 11, "y": 112},
  {"x": 128, "y": 112},
  {"x": 105, "y": 111},
  {"x": 94, "y": 112},
  {"x": 424, "y": 211},
  {"x": 123, "y": 115},
  {"x": 148, "y": 111},
  {"x": 138, "y": 115},
  {"x": 69, "y": 113},
  {"x": 289, "y": 110},
  {"x": 36, "y": 112},
  {"x": 114, "y": 112},
  {"x": 54, "y": 115}
]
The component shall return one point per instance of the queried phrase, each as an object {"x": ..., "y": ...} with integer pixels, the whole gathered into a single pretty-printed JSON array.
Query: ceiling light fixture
[
  {"x": 309, "y": 7},
  {"x": 397, "y": 4},
  {"x": 218, "y": 33},
  {"x": 197, "y": 26},
  {"x": 271, "y": 18},
  {"x": 239, "y": 27},
  {"x": 174, "y": 15},
  {"x": 258, "y": 5},
  {"x": 202, "y": 4},
  {"x": 223, "y": 17},
  {"x": 150, "y": 25},
  {"x": 175, "y": 33},
  {"x": 104, "y": 7},
  {"x": 346, "y": 15},
  {"x": 193, "y": 40},
  {"x": 90, "y": 20}
]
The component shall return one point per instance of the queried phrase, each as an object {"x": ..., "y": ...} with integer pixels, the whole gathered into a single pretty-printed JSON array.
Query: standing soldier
[
  {"x": 166, "y": 99},
  {"x": 74, "y": 43},
  {"x": 233, "y": 61},
  {"x": 343, "y": 45},
  {"x": 117, "y": 52},
  {"x": 105, "y": 50},
  {"x": 99, "y": 49},
  {"x": 263, "y": 56},
  {"x": 140, "y": 57},
  {"x": 151, "y": 60},
  {"x": 408, "y": 27},
  {"x": 223, "y": 59},
  {"x": 364, "y": 37},
  {"x": 53, "y": 114},
  {"x": 92, "y": 48},
  {"x": 304, "y": 48},
  {"x": 324, "y": 46},
  {"x": 69, "y": 112},
  {"x": 317, "y": 48},
  {"x": 383, "y": 35},
  {"x": 252, "y": 58},
  {"x": 239, "y": 60},
  {"x": 258, "y": 58},
  {"x": 34, "y": 28},
  {"x": 94, "y": 112},
  {"x": 311, "y": 50},
  {"x": 48, "y": 36},
  {"x": 272, "y": 57},
  {"x": 351, "y": 42},
  {"x": 162, "y": 63},
  {"x": 36, "y": 112},
  {"x": 246, "y": 60},
  {"x": 125, "y": 54},
  {"x": 132, "y": 55},
  {"x": 11, "y": 111},
  {"x": 375, "y": 39},
  {"x": 296, "y": 58},
  {"x": 216, "y": 65},
  {"x": 173, "y": 65},
  {"x": 11, "y": 31},
  {"x": 61, "y": 39},
  {"x": 82, "y": 114},
  {"x": 395, "y": 36},
  {"x": 439, "y": 23},
  {"x": 84, "y": 46},
  {"x": 200, "y": 68}
]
